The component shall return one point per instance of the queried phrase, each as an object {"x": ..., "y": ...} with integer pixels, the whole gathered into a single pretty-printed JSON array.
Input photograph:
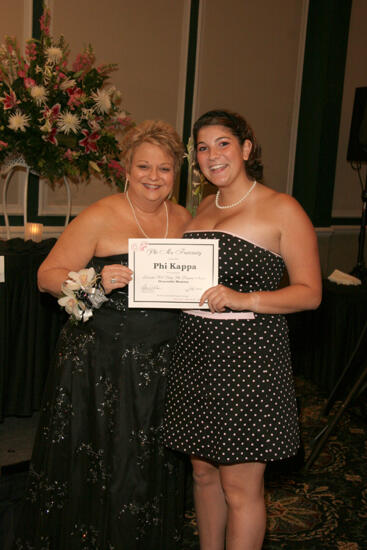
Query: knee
[
  {"x": 204, "y": 474},
  {"x": 238, "y": 495}
]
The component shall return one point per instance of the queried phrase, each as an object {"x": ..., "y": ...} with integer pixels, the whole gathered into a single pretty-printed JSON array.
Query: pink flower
[
  {"x": 89, "y": 142},
  {"x": 31, "y": 50},
  {"x": 3, "y": 144},
  {"x": 22, "y": 74},
  {"x": 74, "y": 97},
  {"x": 53, "y": 113},
  {"x": 10, "y": 100},
  {"x": 51, "y": 137},
  {"x": 69, "y": 155},
  {"x": 29, "y": 82},
  {"x": 126, "y": 121},
  {"x": 116, "y": 167},
  {"x": 45, "y": 22},
  {"x": 82, "y": 62},
  {"x": 94, "y": 123}
]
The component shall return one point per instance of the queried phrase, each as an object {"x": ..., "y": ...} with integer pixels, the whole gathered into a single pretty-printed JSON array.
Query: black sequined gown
[{"x": 100, "y": 477}]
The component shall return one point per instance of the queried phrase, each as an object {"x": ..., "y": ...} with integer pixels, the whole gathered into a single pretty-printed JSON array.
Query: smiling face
[
  {"x": 220, "y": 155},
  {"x": 152, "y": 172}
]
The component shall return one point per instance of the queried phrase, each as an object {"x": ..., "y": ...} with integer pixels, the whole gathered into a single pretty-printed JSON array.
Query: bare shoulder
[
  {"x": 99, "y": 211},
  {"x": 180, "y": 211},
  {"x": 181, "y": 218},
  {"x": 281, "y": 205}
]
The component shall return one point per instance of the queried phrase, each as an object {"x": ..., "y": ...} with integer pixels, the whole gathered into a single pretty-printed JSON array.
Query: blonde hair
[{"x": 158, "y": 133}]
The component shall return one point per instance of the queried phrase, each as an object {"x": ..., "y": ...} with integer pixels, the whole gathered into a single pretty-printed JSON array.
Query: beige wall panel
[
  {"x": 343, "y": 249},
  {"x": 248, "y": 62},
  {"x": 145, "y": 40},
  {"x": 12, "y": 20},
  {"x": 347, "y": 191},
  {"x": 53, "y": 201}
]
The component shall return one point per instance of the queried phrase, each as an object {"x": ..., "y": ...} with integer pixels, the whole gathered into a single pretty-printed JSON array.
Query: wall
[
  {"x": 148, "y": 41},
  {"x": 249, "y": 58},
  {"x": 343, "y": 241},
  {"x": 346, "y": 202}
]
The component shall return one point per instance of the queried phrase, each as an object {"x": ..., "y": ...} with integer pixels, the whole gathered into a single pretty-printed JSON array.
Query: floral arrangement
[
  {"x": 196, "y": 180},
  {"x": 82, "y": 292},
  {"x": 63, "y": 121}
]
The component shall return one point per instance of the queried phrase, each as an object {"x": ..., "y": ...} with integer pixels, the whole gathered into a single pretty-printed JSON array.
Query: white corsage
[{"x": 82, "y": 292}]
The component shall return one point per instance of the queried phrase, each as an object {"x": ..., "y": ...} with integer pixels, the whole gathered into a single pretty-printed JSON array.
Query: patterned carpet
[
  {"x": 326, "y": 506},
  {"x": 323, "y": 508}
]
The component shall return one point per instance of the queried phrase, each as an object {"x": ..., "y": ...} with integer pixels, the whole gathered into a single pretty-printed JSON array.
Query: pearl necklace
[
  {"x": 137, "y": 221},
  {"x": 235, "y": 203}
]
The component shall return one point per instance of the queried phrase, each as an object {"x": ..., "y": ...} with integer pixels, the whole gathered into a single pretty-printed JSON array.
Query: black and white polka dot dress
[{"x": 231, "y": 397}]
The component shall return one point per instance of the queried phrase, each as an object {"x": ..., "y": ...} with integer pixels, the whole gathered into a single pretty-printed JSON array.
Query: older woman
[
  {"x": 100, "y": 477},
  {"x": 231, "y": 401}
]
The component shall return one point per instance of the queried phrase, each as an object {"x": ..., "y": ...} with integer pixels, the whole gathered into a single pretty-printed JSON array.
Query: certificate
[{"x": 171, "y": 273}]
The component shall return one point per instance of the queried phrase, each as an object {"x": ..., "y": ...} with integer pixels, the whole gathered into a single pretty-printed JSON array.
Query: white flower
[
  {"x": 82, "y": 279},
  {"x": 68, "y": 122},
  {"x": 46, "y": 128},
  {"x": 18, "y": 121},
  {"x": 87, "y": 113},
  {"x": 54, "y": 55},
  {"x": 94, "y": 125},
  {"x": 39, "y": 94},
  {"x": 116, "y": 95},
  {"x": 81, "y": 294},
  {"x": 69, "y": 302},
  {"x": 47, "y": 73},
  {"x": 102, "y": 100},
  {"x": 67, "y": 83}
]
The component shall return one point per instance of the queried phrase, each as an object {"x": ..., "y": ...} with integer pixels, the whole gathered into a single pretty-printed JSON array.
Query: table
[
  {"x": 30, "y": 323},
  {"x": 322, "y": 340}
]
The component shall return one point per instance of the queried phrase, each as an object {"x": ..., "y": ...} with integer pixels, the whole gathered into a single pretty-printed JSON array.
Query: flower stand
[{"x": 8, "y": 169}]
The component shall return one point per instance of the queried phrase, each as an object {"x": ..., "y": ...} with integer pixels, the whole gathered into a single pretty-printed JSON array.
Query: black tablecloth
[
  {"x": 323, "y": 340},
  {"x": 30, "y": 322}
]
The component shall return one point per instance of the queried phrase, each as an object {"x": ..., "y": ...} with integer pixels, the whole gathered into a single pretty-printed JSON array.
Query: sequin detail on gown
[
  {"x": 231, "y": 397},
  {"x": 100, "y": 477}
]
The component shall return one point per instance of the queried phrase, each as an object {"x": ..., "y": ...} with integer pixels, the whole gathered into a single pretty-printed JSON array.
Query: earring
[{"x": 126, "y": 186}]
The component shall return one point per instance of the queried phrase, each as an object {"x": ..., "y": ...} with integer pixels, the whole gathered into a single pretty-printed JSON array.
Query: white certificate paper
[{"x": 171, "y": 273}]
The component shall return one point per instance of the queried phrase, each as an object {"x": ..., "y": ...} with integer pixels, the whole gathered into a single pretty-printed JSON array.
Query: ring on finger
[{"x": 113, "y": 281}]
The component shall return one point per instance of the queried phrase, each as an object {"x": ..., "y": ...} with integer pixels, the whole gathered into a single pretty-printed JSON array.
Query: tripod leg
[
  {"x": 331, "y": 400},
  {"x": 326, "y": 433}
]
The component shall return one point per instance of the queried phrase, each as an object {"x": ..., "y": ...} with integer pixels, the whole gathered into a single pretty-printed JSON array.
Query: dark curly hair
[{"x": 239, "y": 128}]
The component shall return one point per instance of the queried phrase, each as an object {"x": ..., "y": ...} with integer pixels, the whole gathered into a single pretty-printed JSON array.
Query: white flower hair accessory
[{"x": 82, "y": 292}]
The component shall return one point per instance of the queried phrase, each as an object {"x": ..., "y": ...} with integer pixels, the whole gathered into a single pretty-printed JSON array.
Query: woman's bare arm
[
  {"x": 299, "y": 249},
  {"x": 72, "y": 251}
]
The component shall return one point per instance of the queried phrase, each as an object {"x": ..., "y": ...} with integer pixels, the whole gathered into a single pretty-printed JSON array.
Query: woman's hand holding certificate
[{"x": 171, "y": 273}]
